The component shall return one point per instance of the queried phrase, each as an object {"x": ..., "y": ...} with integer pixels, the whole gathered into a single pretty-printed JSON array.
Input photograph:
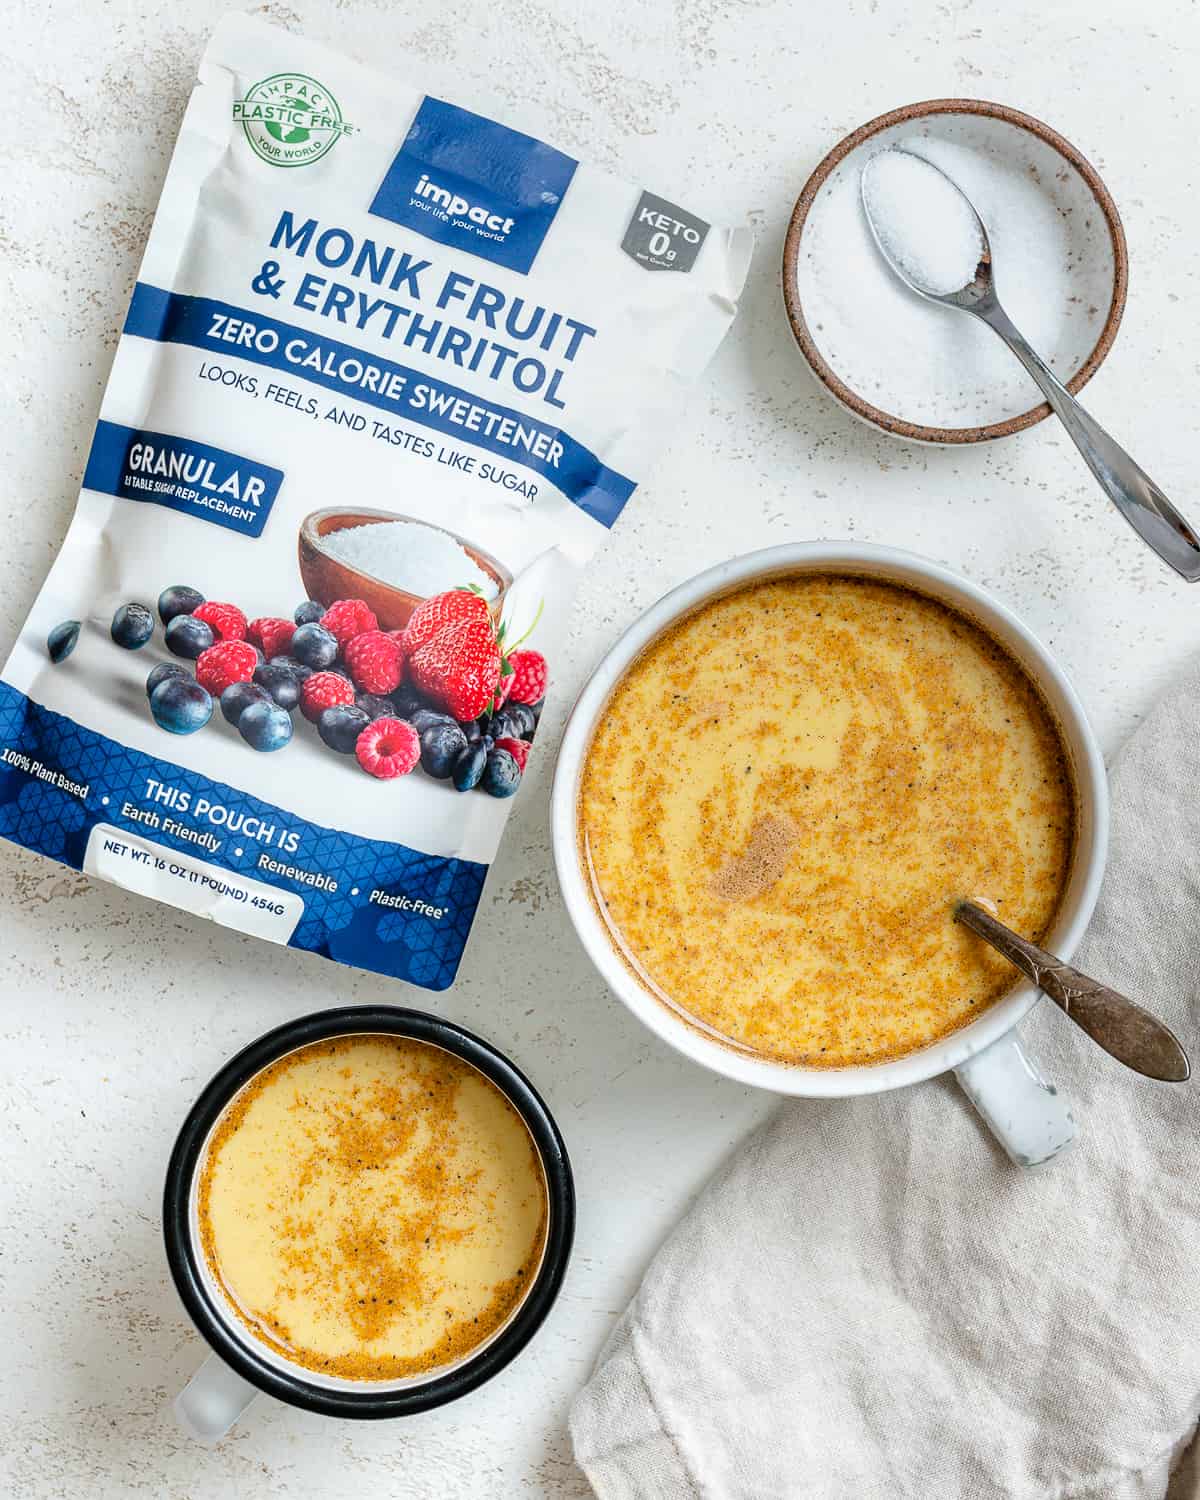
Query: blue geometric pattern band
[{"x": 58, "y": 780}]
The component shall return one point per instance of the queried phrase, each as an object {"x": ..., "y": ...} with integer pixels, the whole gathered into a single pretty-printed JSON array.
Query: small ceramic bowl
[
  {"x": 933, "y": 375},
  {"x": 327, "y": 578}
]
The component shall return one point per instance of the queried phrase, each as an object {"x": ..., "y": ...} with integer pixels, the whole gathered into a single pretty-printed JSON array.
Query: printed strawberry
[
  {"x": 321, "y": 691},
  {"x": 518, "y": 749},
  {"x": 346, "y": 618},
  {"x": 375, "y": 661},
  {"x": 432, "y": 616},
  {"x": 528, "y": 681},
  {"x": 226, "y": 662},
  {"x": 459, "y": 668},
  {"x": 388, "y": 748},
  {"x": 226, "y": 621},
  {"x": 272, "y": 634}
]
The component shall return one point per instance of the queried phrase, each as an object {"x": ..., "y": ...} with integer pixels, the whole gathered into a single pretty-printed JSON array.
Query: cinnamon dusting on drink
[
  {"x": 783, "y": 875},
  {"x": 761, "y": 862},
  {"x": 372, "y": 1207}
]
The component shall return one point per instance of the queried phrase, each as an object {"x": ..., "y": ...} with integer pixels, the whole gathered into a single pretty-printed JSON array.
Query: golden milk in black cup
[{"x": 368, "y": 1212}]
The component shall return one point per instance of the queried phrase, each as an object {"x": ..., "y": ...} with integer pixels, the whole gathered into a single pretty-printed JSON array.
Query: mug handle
[
  {"x": 1027, "y": 1115},
  {"x": 212, "y": 1401}
]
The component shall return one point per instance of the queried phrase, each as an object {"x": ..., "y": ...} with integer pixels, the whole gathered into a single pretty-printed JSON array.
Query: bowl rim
[
  {"x": 829, "y": 378},
  {"x": 899, "y": 566},
  {"x": 309, "y": 535}
]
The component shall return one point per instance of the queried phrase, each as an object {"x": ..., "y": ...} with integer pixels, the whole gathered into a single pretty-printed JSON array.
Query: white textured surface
[{"x": 117, "y": 1011}]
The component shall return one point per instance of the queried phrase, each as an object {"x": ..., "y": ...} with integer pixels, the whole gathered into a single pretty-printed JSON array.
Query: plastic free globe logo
[{"x": 290, "y": 120}]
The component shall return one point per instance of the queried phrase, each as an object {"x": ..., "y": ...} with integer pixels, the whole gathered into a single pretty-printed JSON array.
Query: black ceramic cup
[{"x": 241, "y": 1366}]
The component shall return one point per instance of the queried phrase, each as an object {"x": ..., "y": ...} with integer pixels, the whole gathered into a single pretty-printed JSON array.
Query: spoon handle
[
  {"x": 1127, "y": 1032},
  {"x": 1129, "y": 487}
]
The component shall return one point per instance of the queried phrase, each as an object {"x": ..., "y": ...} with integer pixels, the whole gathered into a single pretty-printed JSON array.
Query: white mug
[{"x": 1031, "y": 1119}]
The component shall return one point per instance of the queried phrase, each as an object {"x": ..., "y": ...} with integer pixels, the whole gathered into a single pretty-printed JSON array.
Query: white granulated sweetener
[
  {"x": 419, "y": 559},
  {"x": 923, "y": 222}
]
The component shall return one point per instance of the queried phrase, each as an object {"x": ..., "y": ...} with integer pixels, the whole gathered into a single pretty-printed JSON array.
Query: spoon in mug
[
  {"x": 1130, "y": 489},
  {"x": 1127, "y": 1032}
]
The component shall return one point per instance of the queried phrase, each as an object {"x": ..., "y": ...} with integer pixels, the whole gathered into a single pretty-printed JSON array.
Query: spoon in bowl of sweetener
[
  {"x": 1127, "y": 1032},
  {"x": 930, "y": 234}
]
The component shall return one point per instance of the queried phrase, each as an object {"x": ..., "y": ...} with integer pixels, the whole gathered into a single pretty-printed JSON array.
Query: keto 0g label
[
  {"x": 662, "y": 236},
  {"x": 290, "y": 120}
]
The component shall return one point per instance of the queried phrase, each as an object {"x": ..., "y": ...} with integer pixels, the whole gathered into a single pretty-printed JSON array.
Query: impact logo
[
  {"x": 454, "y": 207},
  {"x": 475, "y": 185},
  {"x": 290, "y": 120}
]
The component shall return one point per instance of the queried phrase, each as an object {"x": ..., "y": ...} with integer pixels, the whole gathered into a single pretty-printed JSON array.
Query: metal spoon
[
  {"x": 1130, "y": 489},
  {"x": 1130, "y": 1034}
]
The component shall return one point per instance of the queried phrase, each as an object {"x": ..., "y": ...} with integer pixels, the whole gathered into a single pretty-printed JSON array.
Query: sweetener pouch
[{"x": 390, "y": 371}]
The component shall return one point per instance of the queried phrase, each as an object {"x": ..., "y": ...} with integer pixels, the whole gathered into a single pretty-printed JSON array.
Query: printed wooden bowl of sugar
[
  {"x": 392, "y": 562},
  {"x": 931, "y": 374}
]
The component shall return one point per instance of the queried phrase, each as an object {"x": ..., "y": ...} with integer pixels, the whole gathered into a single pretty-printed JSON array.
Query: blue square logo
[{"x": 469, "y": 182}]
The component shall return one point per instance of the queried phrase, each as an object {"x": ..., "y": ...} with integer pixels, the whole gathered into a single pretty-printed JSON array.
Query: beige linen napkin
[{"x": 872, "y": 1303}]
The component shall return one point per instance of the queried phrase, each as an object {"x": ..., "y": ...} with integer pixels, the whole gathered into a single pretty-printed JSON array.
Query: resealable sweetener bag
[{"x": 389, "y": 372}]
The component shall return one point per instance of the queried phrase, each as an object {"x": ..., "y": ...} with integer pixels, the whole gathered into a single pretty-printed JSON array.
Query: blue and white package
[{"x": 390, "y": 371}]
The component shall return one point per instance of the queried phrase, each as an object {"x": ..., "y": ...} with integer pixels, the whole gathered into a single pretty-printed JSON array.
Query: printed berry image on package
[{"x": 390, "y": 372}]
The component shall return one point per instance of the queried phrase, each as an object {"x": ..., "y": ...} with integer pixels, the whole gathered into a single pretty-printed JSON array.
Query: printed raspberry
[
  {"x": 226, "y": 621},
  {"x": 226, "y": 662},
  {"x": 387, "y": 748},
  {"x": 432, "y": 615},
  {"x": 375, "y": 661},
  {"x": 528, "y": 681},
  {"x": 518, "y": 749},
  {"x": 272, "y": 634},
  {"x": 346, "y": 618},
  {"x": 459, "y": 668},
  {"x": 321, "y": 691}
]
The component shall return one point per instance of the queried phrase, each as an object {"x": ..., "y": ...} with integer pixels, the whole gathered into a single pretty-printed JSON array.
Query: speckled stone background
[{"x": 116, "y": 1011}]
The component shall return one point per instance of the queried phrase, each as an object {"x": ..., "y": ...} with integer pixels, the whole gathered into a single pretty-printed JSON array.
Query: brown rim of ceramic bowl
[{"x": 791, "y": 252}]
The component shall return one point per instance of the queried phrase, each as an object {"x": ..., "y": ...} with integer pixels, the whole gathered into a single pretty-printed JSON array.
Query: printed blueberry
[
  {"x": 188, "y": 637},
  {"x": 309, "y": 612},
  {"x": 441, "y": 745},
  {"x": 132, "y": 626},
  {"x": 504, "y": 725},
  {"x": 238, "y": 697},
  {"x": 501, "y": 774},
  {"x": 265, "y": 726},
  {"x": 298, "y": 671},
  {"x": 406, "y": 701},
  {"x": 521, "y": 715},
  {"x": 473, "y": 731},
  {"x": 164, "y": 671},
  {"x": 340, "y": 726},
  {"x": 61, "y": 640},
  {"x": 315, "y": 647},
  {"x": 178, "y": 600},
  {"x": 377, "y": 707},
  {"x": 280, "y": 683},
  {"x": 468, "y": 768},
  {"x": 425, "y": 718},
  {"x": 180, "y": 705}
]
